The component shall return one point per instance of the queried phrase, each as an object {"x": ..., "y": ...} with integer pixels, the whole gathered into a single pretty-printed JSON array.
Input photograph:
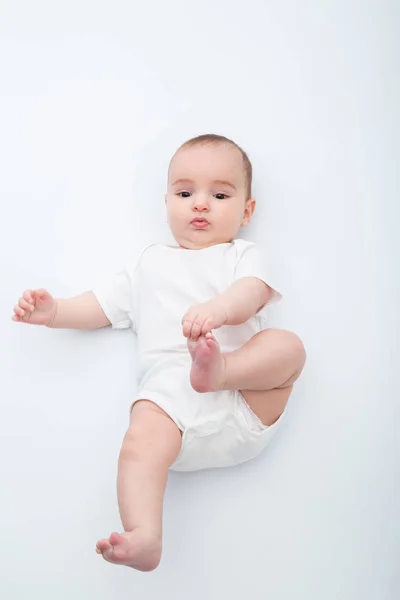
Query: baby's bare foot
[
  {"x": 139, "y": 549},
  {"x": 208, "y": 365}
]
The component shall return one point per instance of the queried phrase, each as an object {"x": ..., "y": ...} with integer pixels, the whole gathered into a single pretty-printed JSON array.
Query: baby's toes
[
  {"x": 102, "y": 545},
  {"x": 117, "y": 539},
  {"x": 211, "y": 341}
]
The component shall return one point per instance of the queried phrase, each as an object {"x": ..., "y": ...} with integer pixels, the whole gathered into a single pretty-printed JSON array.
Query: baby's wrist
[
  {"x": 54, "y": 314},
  {"x": 222, "y": 305}
]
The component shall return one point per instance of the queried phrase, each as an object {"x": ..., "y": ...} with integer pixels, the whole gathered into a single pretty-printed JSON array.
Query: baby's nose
[{"x": 201, "y": 203}]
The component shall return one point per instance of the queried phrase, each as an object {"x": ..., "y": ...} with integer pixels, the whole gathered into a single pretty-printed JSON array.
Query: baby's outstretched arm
[{"x": 38, "y": 307}]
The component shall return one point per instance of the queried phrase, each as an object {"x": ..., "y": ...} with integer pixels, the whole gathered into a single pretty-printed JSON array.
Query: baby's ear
[
  {"x": 165, "y": 198},
  {"x": 248, "y": 211}
]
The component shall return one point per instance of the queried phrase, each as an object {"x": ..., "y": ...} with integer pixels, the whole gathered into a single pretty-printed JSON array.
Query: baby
[{"x": 212, "y": 382}]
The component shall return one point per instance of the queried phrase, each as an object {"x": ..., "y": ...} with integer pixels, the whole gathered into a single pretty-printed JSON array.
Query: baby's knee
[
  {"x": 151, "y": 437},
  {"x": 292, "y": 347},
  {"x": 295, "y": 355},
  {"x": 297, "y": 348},
  {"x": 134, "y": 445}
]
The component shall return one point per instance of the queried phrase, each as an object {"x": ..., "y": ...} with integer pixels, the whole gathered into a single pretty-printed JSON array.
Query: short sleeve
[
  {"x": 251, "y": 263},
  {"x": 115, "y": 296}
]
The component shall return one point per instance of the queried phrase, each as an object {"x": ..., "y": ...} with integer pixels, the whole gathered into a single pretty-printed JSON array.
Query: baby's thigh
[
  {"x": 268, "y": 405},
  {"x": 152, "y": 434}
]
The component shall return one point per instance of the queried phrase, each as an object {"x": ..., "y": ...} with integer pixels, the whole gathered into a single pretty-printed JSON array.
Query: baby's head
[{"x": 209, "y": 191}]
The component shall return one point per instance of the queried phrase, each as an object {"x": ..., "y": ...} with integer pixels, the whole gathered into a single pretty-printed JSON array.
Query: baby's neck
[{"x": 195, "y": 246}]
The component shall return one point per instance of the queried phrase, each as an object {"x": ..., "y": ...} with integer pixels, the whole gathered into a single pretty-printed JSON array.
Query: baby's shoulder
[
  {"x": 150, "y": 253},
  {"x": 244, "y": 247},
  {"x": 241, "y": 244},
  {"x": 135, "y": 257}
]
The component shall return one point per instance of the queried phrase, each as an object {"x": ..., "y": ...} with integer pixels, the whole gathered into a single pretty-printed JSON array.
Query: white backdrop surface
[{"x": 95, "y": 97}]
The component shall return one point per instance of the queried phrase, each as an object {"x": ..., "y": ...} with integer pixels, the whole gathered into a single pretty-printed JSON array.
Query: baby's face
[{"x": 206, "y": 199}]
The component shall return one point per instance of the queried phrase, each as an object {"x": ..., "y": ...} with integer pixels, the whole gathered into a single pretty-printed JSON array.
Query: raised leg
[
  {"x": 264, "y": 369},
  {"x": 150, "y": 446}
]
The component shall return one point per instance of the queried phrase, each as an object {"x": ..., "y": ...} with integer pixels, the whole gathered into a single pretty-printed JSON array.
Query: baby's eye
[
  {"x": 184, "y": 194},
  {"x": 221, "y": 196}
]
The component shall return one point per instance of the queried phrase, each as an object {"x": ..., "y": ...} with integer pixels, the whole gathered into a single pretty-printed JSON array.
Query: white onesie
[{"x": 151, "y": 295}]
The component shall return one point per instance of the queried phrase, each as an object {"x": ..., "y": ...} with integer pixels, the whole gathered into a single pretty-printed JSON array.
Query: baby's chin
[
  {"x": 199, "y": 244},
  {"x": 198, "y": 239}
]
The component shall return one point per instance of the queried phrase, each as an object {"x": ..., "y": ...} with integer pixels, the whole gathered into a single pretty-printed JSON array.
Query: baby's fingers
[
  {"x": 196, "y": 327},
  {"x": 27, "y": 306},
  {"x": 187, "y": 325},
  {"x": 19, "y": 311},
  {"x": 207, "y": 327},
  {"x": 28, "y": 296}
]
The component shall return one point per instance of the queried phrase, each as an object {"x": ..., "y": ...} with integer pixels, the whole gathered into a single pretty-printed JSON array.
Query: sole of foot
[
  {"x": 136, "y": 549},
  {"x": 207, "y": 365}
]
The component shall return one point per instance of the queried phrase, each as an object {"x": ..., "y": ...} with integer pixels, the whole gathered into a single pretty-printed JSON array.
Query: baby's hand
[
  {"x": 36, "y": 307},
  {"x": 202, "y": 318}
]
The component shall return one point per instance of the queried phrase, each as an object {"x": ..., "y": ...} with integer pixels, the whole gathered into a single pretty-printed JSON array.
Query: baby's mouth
[{"x": 200, "y": 222}]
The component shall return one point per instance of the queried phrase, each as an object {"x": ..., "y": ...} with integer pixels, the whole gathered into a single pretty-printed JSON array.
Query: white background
[{"x": 95, "y": 97}]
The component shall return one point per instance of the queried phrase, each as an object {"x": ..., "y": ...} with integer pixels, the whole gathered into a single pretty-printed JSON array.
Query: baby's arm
[
  {"x": 243, "y": 299},
  {"x": 79, "y": 312},
  {"x": 38, "y": 307},
  {"x": 237, "y": 304}
]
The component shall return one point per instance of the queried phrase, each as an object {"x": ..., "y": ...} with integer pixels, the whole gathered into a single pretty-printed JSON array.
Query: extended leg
[{"x": 151, "y": 445}]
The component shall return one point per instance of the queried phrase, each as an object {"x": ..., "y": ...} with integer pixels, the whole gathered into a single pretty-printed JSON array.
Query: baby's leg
[
  {"x": 150, "y": 446},
  {"x": 264, "y": 369}
]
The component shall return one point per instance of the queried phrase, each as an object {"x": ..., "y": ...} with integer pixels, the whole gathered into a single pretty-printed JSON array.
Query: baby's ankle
[{"x": 147, "y": 532}]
